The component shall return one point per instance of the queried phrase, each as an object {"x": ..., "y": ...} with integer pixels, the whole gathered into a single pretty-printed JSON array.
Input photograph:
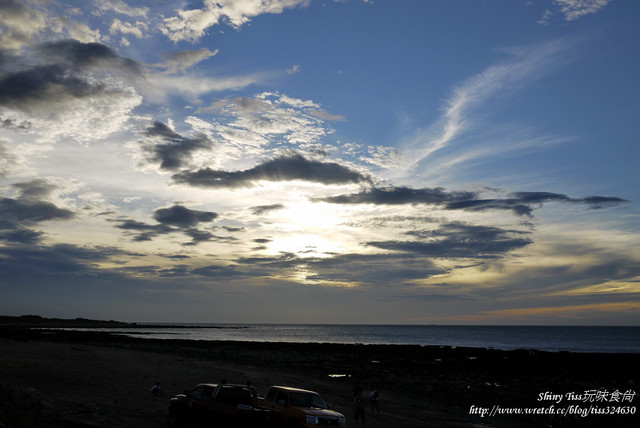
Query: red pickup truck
[
  {"x": 224, "y": 405},
  {"x": 301, "y": 408}
]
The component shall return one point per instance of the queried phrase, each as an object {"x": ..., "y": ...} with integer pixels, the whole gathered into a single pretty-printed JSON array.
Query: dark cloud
[
  {"x": 22, "y": 235},
  {"x": 35, "y": 189},
  {"x": 597, "y": 202},
  {"x": 173, "y": 219},
  {"x": 175, "y": 150},
  {"x": 222, "y": 272},
  {"x": 146, "y": 232},
  {"x": 262, "y": 240},
  {"x": 263, "y": 209},
  {"x": 515, "y": 205},
  {"x": 400, "y": 196},
  {"x": 202, "y": 236},
  {"x": 64, "y": 72},
  {"x": 17, "y": 215},
  {"x": 22, "y": 125},
  {"x": 59, "y": 265},
  {"x": 457, "y": 240},
  {"x": 284, "y": 168},
  {"x": 175, "y": 271},
  {"x": 521, "y": 203},
  {"x": 53, "y": 260},
  {"x": 372, "y": 269},
  {"x": 380, "y": 270},
  {"x": 26, "y": 89},
  {"x": 180, "y": 216},
  {"x": 80, "y": 56}
]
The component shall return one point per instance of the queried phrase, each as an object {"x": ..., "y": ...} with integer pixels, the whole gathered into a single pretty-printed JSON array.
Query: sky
[{"x": 320, "y": 161}]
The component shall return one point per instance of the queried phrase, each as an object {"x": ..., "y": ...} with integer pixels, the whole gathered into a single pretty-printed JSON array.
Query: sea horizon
[{"x": 606, "y": 339}]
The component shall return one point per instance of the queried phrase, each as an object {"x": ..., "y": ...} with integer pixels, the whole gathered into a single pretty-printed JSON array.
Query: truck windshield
[{"x": 305, "y": 399}]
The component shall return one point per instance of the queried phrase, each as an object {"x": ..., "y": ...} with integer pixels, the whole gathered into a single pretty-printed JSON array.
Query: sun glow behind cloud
[{"x": 307, "y": 229}]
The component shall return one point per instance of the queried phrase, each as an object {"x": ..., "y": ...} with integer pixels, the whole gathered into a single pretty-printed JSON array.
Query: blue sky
[{"x": 321, "y": 161}]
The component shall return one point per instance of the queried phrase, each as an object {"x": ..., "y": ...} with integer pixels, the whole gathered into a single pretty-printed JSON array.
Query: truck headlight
[{"x": 312, "y": 420}]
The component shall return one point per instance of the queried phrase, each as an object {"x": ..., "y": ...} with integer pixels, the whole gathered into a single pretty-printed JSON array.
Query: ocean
[{"x": 542, "y": 338}]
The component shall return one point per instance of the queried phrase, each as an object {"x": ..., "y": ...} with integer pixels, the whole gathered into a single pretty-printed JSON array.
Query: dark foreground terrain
[{"x": 56, "y": 378}]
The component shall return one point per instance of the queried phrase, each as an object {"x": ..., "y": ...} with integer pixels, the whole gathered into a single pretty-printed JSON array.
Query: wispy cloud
[
  {"x": 182, "y": 60},
  {"x": 527, "y": 64},
  {"x": 158, "y": 87}
]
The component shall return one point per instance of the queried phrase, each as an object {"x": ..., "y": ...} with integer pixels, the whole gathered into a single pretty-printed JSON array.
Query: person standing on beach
[
  {"x": 374, "y": 399},
  {"x": 358, "y": 407},
  {"x": 155, "y": 389}
]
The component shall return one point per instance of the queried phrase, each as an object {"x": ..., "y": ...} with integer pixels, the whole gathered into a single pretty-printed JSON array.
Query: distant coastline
[{"x": 36, "y": 321}]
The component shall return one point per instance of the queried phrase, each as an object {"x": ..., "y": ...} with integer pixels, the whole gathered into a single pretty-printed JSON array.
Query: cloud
[
  {"x": 457, "y": 240},
  {"x": 574, "y": 9},
  {"x": 80, "y": 56},
  {"x": 191, "y": 25},
  {"x": 180, "y": 216},
  {"x": 174, "y": 219},
  {"x": 59, "y": 263},
  {"x": 175, "y": 151},
  {"x": 35, "y": 189},
  {"x": 159, "y": 86},
  {"x": 7, "y": 159},
  {"x": 180, "y": 61},
  {"x": 545, "y": 18},
  {"x": 268, "y": 116},
  {"x": 525, "y": 64},
  {"x": 284, "y": 168},
  {"x": 42, "y": 86},
  {"x": 374, "y": 270},
  {"x": 19, "y": 23},
  {"x": 121, "y": 7},
  {"x": 12, "y": 123},
  {"x": 326, "y": 116},
  {"x": 264, "y": 209},
  {"x": 118, "y": 26},
  {"x": 399, "y": 196},
  {"x": 521, "y": 203},
  {"x": 69, "y": 88},
  {"x": 18, "y": 215}
]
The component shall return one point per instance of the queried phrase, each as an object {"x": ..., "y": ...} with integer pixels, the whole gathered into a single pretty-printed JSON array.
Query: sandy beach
[{"x": 78, "y": 379}]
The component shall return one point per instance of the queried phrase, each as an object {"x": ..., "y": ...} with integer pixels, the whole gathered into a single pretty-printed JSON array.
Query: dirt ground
[{"x": 87, "y": 381}]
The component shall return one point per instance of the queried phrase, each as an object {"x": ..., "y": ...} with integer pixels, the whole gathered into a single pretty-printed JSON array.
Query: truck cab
[
  {"x": 302, "y": 408},
  {"x": 219, "y": 405}
]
